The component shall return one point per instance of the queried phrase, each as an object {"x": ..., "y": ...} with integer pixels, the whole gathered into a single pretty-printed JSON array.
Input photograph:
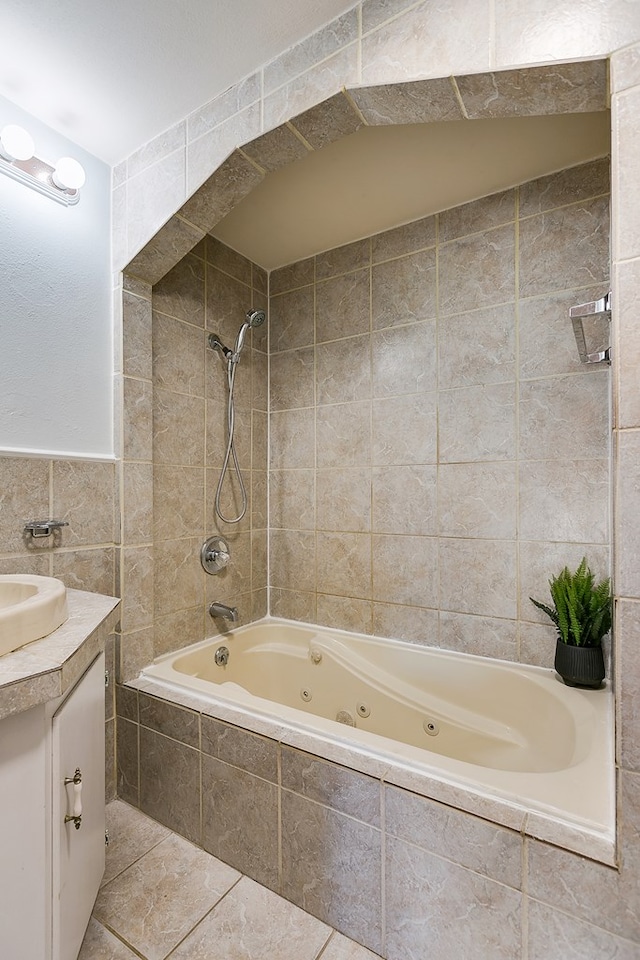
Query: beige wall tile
[
  {"x": 479, "y": 269},
  {"x": 292, "y": 379},
  {"x": 293, "y": 560},
  {"x": 136, "y": 336},
  {"x": 426, "y": 899},
  {"x": 25, "y": 496},
  {"x": 625, "y": 68},
  {"x": 416, "y": 442},
  {"x": 463, "y": 839},
  {"x": 343, "y": 435},
  {"x": 292, "y": 439},
  {"x": 553, "y": 935},
  {"x": 317, "y": 84},
  {"x": 233, "y": 100},
  {"x": 627, "y": 349},
  {"x": 568, "y": 186},
  {"x": 627, "y": 627},
  {"x": 581, "y": 32},
  {"x": 236, "y": 805},
  {"x": 346, "y": 890},
  {"x": 329, "y": 121},
  {"x": 477, "y": 500},
  {"x": 404, "y": 500},
  {"x": 227, "y": 302},
  {"x": 413, "y": 624},
  {"x": 137, "y": 503},
  {"x": 294, "y": 275},
  {"x": 178, "y": 495},
  {"x": 292, "y": 604},
  {"x": 486, "y": 432},
  {"x": 405, "y": 570},
  {"x": 320, "y": 45},
  {"x": 291, "y": 319},
  {"x": 536, "y": 91},
  {"x": 404, "y": 290},
  {"x": 421, "y": 101},
  {"x": 342, "y": 306},
  {"x": 404, "y": 360},
  {"x": 549, "y": 245},
  {"x": 179, "y": 577},
  {"x": 83, "y": 494},
  {"x": 477, "y": 347},
  {"x": 90, "y": 569},
  {"x": 428, "y": 39},
  {"x": 407, "y": 238},
  {"x": 292, "y": 499},
  {"x": 564, "y": 418},
  {"x": 180, "y": 293},
  {"x": 137, "y": 419},
  {"x": 478, "y": 576},
  {"x": 477, "y": 216},
  {"x": 344, "y": 613},
  {"x": 566, "y": 500},
  {"x": 172, "y": 443},
  {"x": 343, "y": 500},
  {"x": 176, "y": 630},
  {"x": 481, "y": 636},
  {"x": 344, "y": 564},
  {"x": 343, "y": 370},
  {"x": 333, "y": 786},
  {"x": 178, "y": 356}
]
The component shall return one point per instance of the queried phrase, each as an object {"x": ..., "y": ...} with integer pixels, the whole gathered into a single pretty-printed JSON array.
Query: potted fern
[{"x": 581, "y": 613}]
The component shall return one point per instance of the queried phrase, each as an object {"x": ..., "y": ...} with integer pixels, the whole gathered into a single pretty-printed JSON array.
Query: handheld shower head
[{"x": 255, "y": 317}]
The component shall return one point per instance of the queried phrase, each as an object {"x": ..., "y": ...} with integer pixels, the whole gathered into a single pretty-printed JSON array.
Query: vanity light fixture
[{"x": 62, "y": 182}]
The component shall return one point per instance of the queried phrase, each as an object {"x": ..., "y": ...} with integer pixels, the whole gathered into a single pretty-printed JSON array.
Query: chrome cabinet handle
[{"x": 76, "y": 816}]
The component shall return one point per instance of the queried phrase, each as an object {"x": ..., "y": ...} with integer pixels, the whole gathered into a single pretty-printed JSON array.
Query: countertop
[{"x": 45, "y": 669}]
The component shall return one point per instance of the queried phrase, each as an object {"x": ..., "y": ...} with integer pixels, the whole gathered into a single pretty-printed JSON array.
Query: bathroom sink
[{"x": 30, "y": 608}]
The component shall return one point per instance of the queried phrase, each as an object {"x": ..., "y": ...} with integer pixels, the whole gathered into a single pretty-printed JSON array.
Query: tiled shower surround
[
  {"x": 437, "y": 450},
  {"x": 427, "y": 408}
]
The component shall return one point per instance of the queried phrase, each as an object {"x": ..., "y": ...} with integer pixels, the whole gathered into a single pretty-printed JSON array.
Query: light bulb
[
  {"x": 16, "y": 143},
  {"x": 68, "y": 174}
]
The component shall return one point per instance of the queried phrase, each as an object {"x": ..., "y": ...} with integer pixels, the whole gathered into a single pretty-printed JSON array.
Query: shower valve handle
[{"x": 214, "y": 555}]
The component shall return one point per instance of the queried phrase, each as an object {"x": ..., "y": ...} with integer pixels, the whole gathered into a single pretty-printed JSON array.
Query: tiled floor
[{"x": 162, "y": 897}]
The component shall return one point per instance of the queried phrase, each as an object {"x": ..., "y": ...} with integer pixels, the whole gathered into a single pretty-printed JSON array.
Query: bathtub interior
[{"x": 513, "y": 744}]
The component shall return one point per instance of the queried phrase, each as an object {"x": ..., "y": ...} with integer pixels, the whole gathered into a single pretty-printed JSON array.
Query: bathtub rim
[{"x": 528, "y": 818}]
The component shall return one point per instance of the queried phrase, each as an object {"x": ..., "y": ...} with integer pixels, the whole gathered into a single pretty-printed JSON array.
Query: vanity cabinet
[{"x": 51, "y": 868}]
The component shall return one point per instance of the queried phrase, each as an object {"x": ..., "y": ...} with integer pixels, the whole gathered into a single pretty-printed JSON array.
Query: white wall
[{"x": 56, "y": 350}]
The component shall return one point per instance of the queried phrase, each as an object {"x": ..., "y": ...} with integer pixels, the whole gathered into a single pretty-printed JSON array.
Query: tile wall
[
  {"x": 437, "y": 449},
  {"x": 82, "y": 555},
  {"x": 211, "y": 290}
]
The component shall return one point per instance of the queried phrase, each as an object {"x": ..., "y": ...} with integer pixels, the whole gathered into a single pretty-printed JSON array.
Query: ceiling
[
  {"x": 383, "y": 176},
  {"x": 112, "y": 75}
]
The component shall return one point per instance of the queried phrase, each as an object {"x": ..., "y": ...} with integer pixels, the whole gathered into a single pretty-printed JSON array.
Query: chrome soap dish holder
[{"x": 583, "y": 311}]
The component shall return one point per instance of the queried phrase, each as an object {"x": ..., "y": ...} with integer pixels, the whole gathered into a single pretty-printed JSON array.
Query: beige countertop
[{"x": 44, "y": 669}]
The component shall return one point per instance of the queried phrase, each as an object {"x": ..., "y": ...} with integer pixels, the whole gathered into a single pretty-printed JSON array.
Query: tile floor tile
[
  {"x": 99, "y": 944},
  {"x": 131, "y": 835},
  {"x": 169, "y": 899},
  {"x": 341, "y": 948},
  {"x": 252, "y": 923},
  {"x": 156, "y": 901}
]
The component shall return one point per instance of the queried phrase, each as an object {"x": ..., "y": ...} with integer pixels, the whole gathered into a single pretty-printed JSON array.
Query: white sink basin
[{"x": 30, "y": 608}]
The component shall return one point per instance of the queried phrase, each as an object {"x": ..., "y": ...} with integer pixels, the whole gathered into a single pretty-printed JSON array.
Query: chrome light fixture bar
[{"x": 61, "y": 182}]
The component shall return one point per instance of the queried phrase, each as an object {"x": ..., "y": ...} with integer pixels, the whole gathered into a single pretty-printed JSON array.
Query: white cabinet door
[{"x": 77, "y": 854}]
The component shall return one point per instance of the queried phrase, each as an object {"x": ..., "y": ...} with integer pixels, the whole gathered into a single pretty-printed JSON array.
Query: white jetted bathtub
[{"x": 508, "y": 742}]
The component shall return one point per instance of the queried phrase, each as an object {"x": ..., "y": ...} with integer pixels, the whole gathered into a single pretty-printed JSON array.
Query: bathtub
[{"x": 507, "y": 742}]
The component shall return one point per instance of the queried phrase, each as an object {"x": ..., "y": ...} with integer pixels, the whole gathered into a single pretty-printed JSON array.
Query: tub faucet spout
[{"x": 222, "y": 610}]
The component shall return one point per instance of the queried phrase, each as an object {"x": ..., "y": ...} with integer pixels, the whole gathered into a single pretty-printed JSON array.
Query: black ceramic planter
[{"x": 579, "y": 666}]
